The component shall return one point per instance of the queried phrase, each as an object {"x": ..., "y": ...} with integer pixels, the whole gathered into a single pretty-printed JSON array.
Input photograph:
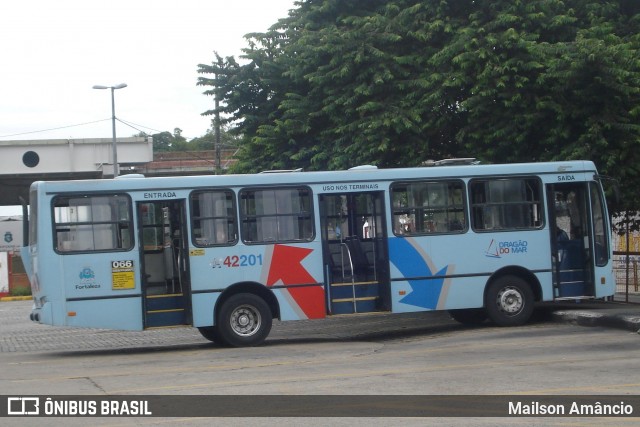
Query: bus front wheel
[
  {"x": 509, "y": 301},
  {"x": 244, "y": 320}
]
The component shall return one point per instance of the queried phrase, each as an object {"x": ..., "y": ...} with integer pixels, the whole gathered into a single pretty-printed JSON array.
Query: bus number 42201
[{"x": 237, "y": 261}]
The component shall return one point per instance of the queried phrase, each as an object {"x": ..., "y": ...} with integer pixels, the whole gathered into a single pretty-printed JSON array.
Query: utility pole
[
  {"x": 114, "y": 147},
  {"x": 216, "y": 123}
]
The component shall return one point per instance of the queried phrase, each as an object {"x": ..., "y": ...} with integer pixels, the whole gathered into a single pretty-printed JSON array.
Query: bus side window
[
  {"x": 429, "y": 207},
  {"x": 276, "y": 215},
  {"x": 92, "y": 223},
  {"x": 506, "y": 204},
  {"x": 213, "y": 216}
]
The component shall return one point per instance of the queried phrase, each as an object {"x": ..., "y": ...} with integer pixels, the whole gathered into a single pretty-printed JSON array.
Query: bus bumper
[{"x": 42, "y": 314}]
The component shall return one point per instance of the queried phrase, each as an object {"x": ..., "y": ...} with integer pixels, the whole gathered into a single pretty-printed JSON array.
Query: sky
[{"x": 52, "y": 52}]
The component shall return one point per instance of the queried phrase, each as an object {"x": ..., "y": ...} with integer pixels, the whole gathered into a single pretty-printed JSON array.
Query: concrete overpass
[{"x": 22, "y": 162}]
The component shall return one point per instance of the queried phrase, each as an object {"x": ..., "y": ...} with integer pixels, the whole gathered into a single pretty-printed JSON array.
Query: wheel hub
[
  {"x": 245, "y": 320},
  {"x": 510, "y": 300}
]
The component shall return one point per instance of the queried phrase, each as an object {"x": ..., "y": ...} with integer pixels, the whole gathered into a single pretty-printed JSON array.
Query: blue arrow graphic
[{"x": 425, "y": 292}]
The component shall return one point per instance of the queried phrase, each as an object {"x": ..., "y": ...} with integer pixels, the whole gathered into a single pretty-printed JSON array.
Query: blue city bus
[{"x": 228, "y": 254}]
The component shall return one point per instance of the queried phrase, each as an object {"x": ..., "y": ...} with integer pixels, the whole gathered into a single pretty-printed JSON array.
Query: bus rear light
[{"x": 71, "y": 313}]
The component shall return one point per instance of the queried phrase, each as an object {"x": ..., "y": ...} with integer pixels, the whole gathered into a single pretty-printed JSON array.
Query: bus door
[
  {"x": 355, "y": 252},
  {"x": 571, "y": 240},
  {"x": 165, "y": 270}
]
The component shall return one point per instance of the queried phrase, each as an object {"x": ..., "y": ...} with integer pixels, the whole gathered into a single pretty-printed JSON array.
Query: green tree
[
  {"x": 342, "y": 82},
  {"x": 208, "y": 140},
  {"x": 166, "y": 141},
  {"x": 162, "y": 141}
]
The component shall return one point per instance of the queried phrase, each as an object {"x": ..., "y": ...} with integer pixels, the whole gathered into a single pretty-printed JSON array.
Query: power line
[
  {"x": 47, "y": 130},
  {"x": 130, "y": 124},
  {"x": 127, "y": 123}
]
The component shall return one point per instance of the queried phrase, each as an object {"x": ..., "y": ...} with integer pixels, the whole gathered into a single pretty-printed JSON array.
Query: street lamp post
[{"x": 114, "y": 147}]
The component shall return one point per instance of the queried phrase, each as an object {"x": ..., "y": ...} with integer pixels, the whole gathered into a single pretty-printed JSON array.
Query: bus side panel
[
  {"x": 451, "y": 271},
  {"x": 546, "y": 284},
  {"x": 301, "y": 303},
  {"x": 204, "y": 303},
  {"x": 48, "y": 290},
  {"x": 119, "y": 313},
  {"x": 417, "y": 282},
  {"x": 215, "y": 269},
  {"x": 45, "y": 314},
  {"x": 605, "y": 280},
  {"x": 292, "y": 271},
  {"x": 103, "y": 290},
  {"x": 202, "y": 307},
  {"x": 436, "y": 294}
]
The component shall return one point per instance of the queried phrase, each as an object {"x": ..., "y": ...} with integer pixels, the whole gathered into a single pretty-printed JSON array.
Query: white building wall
[
  {"x": 71, "y": 155},
  {"x": 11, "y": 234}
]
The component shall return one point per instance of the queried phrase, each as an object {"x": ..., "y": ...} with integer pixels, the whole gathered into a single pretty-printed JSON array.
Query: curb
[
  {"x": 625, "y": 321},
  {"x": 26, "y": 298}
]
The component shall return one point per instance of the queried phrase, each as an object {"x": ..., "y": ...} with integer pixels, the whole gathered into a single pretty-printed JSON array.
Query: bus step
[
  {"x": 373, "y": 282},
  {"x": 346, "y": 290},
  {"x": 157, "y": 318},
  {"x": 345, "y": 305},
  {"x": 164, "y": 302}
]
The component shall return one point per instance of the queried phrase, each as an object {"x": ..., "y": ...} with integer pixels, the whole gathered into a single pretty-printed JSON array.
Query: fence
[
  {"x": 14, "y": 281},
  {"x": 626, "y": 263}
]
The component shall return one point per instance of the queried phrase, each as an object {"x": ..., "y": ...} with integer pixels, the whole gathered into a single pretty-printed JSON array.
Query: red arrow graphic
[{"x": 286, "y": 266}]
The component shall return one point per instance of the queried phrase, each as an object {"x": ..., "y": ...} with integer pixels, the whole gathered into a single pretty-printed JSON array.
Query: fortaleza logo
[
  {"x": 87, "y": 274},
  {"x": 498, "y": 249},
  {"x": 87, "y": 279},
  {"x": 35, "y": 406}
]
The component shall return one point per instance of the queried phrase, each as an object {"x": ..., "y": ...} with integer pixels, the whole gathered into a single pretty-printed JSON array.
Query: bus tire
[
  {"x": 469, "y": 316},
  {"x": 211, "y": 333},
  {"x": 244, "y": 320},
  {"x": 509, "y": 301}
]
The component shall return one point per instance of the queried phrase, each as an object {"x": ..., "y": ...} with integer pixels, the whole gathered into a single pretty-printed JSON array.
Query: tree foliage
[
  {"x": 166, "y": 141},
  {"x": 393, "y": 83},
  {"x": 208, "y": 141}
]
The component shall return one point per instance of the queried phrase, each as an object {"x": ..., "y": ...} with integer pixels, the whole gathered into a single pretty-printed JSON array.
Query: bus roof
[{"x": 298, "y": 177}]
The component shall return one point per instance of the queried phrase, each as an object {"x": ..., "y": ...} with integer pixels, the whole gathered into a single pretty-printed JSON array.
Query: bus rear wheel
[
  {"x": 244, "y": 320},
  {"x": 509, "y": 301},
  {"x": 469, "y": 316}
]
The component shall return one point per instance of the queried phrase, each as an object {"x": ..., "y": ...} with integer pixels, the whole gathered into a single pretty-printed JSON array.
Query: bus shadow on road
[
  {"x": 369, "y": 329},
  {"x": 279, "y": 341}
]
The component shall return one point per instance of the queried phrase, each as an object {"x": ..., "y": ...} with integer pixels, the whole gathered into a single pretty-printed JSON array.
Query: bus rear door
[
  {"x": 571, "y": 240},
  {"x": 355, "y": 252}
]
